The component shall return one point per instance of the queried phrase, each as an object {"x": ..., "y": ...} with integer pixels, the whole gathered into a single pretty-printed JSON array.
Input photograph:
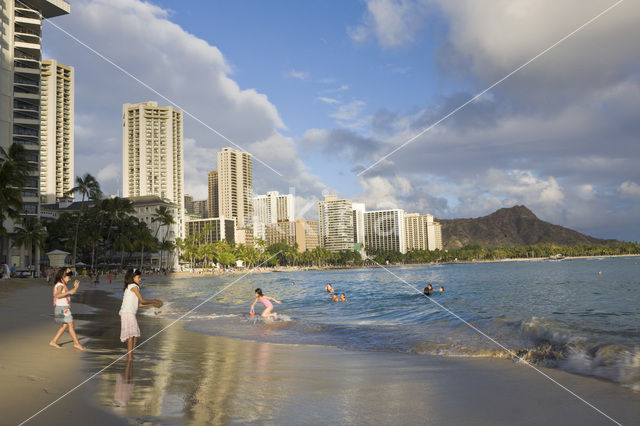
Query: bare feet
[
  {"x": 80, "y": 347},
  {"x": 55, "y": 345}
]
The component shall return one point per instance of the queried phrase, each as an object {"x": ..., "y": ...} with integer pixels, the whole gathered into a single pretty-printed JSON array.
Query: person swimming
[
  {"x": 441, "y": 289},
  {"x": 342, "y": 298},
  {"x": 328, "y": 288},
  {"x": 427, "y": 292},
  {"x": 334, "y": 298}
]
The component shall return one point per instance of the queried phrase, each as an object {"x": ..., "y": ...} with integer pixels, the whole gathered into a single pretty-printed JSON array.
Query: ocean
[{"x": 577, "y": 315}]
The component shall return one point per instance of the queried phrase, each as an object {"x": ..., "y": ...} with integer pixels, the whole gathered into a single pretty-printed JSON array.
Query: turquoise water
[{"x": 558, "y": 314}]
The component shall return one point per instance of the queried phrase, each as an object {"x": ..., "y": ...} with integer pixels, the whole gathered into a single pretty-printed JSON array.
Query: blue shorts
[{"x": 62, "y": 314}]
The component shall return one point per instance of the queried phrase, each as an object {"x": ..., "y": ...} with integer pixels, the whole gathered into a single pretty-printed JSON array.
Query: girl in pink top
[
  {"x": 62, "y": 307},
  {"x": 268, "y": 306}
]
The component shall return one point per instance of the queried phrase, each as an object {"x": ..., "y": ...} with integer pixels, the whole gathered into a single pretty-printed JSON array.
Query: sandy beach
[{"x": 183, "y": 377}]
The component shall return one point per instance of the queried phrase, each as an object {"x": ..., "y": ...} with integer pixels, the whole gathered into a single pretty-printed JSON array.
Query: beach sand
[{"x": 183, "y": 377}]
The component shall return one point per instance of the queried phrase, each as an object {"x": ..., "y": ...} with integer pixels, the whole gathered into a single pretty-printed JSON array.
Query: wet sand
[{"x": 183, "y": 377}]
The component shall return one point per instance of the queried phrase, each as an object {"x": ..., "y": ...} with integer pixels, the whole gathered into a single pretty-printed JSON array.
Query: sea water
[{"x": 579, "y": 315}]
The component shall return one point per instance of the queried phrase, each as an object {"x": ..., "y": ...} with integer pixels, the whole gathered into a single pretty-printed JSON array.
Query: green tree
[
  {"x": 30, "y": 234},
  {"x": 14, "y": 168},
  {"x": 87, "y": 186}
]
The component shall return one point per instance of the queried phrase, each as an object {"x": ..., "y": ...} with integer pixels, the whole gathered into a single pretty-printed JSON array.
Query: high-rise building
[
  {"x": 385, "y": 230},
  {"x": 422, "y": 233},
  {"x": 214, "y": 206},
  {"x": 200, "y": 207},
  {"x": 188, "y": 203},
  {"x": 152, "y": 154},
  {"x": 335, "y": 223},
  {"x": 306, "y": 234},
  {"x": 235, "y": 186},
  {"x": 20, "y": 62},
  {"x": 358, "y": 223},
  {"x": 212, "y": 229},
  {"x": 56, "y": 131},
  {"x": 281, "y": 232},
  {"x": 434, "y": 232},
  {"x": 273, "y": 207}
]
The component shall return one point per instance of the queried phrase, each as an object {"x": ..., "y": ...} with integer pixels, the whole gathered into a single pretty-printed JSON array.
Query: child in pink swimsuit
[{"x": 268, "y": 306}]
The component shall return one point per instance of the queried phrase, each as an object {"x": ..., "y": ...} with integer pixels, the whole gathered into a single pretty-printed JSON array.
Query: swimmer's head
[
  {"x": 430, "y": 287},
  {"x": 441, "y": 288},
  {"x": 259, "y": 292}
]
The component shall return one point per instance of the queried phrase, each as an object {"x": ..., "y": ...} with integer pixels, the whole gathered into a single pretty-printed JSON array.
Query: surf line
[
  {"x": 96, "y": 374},
  {"x": 511, "y": 352}
]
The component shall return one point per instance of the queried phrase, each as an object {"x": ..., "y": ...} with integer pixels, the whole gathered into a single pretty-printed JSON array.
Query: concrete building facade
[
  {"x": 235, "y": 186},
  {"x": 335, "y": 223},
  {"x": 306, "y": 234},
  {"x": 56, "y": 131},
  {"x": 422, "y": 232},
  {"x": 20, "y": 64},
  {"x": 385, "y": 230},
  {"x": 213, "y": 229},
  {"x": 213, "y": 205},
  {"x": 144, "y": 208},
  {"x": 281, "y": 232},
  {"x": 152, "y": 154}
]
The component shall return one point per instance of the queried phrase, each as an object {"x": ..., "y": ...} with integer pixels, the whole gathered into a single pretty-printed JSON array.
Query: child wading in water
[
  {"x": 265, "y": 300},
  {"x": 129, "y": 330},
  {"x": 62, "y": 307}
]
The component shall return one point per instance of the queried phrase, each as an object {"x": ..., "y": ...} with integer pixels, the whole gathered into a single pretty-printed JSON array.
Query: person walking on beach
[
  {"x": 110, "y": 277},
  {"x": 62, "y": 307},
  {"x": 268, "y": 306},
  {"x": 132, "y": 299}
]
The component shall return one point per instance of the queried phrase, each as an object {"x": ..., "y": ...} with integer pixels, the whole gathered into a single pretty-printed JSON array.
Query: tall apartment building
[
  {"x": 385, "y": 230},
  {"x": 358, "y": 223},
  {"x": 56, "y": 131},
  {"x": 273, "y": 207},
  {"x": 281, "y": 232},
  {"x": 335, "y": 223},
  {"x": 422, "y": 233},
  {"x": 434, "y": 236},
  {"x": 212, "y": 183},
  {"x": 306, "y": 234},
  {"x": 212, "y": 229},
  {"x": 20, "y": 62},
  {"x": 152, "y": 154},
  {"x": 188, "y": 203},
  {"x": 235, "y": 186},
  {"x": 200, "y": 208}
]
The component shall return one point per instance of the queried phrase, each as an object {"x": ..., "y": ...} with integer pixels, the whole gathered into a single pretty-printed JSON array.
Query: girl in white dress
[{"x": 129, "y": 330}]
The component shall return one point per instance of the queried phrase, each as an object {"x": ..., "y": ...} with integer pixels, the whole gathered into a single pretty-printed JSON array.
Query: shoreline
[{"x": 186, "y": 377}]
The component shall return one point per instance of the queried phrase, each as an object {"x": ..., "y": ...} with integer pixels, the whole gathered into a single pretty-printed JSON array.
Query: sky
[{"x": 355, "y": 98}]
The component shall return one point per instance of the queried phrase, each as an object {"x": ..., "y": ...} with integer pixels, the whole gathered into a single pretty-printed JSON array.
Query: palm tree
[
  {"x": 164, "y": 217},
  {"x": 87, "y": 186},
  {"x": 30, "y": 234},
  {"x": 144, "y": 239},
  {"x": 14, "y": 169}
]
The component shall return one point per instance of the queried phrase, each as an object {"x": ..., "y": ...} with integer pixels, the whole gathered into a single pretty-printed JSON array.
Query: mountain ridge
[{"x": 509, "y": 227}]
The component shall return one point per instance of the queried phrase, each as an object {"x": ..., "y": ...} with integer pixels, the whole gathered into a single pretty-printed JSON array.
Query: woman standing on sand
[
  {"x": 268, "y": 306},
  {"x": 132, "y": 299},
  {"x": 62, "y": 307}
]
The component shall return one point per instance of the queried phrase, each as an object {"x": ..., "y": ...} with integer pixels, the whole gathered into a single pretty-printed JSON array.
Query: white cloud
[
  {"x": 393, "y": 23},
  {"x": 140, "y": 38},
  {"x": 329, "y": 101},
  {"x": 300, "y": 75},
  {"x": 349, "y": 112},
  {"x": 110, "y": 172},
  {"x": 629, "y": 189}
]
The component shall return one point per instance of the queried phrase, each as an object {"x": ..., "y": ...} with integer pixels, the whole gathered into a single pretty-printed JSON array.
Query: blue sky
[{"x": 322, "y": 90}]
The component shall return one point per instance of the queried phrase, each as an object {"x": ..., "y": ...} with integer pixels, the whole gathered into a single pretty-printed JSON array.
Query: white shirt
[
  {"x": 60, "y": 301},
  {"x": 130, "y": 300}
]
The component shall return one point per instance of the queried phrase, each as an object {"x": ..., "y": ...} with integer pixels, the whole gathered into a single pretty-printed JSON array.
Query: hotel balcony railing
[
  {"x": 19, "y": 29},
  {"x": 23, "y": 131},
  {"x": 30, "y": 90},
  {"x": 25, "y": 106},
  {"x": 18, "y": 54},
  {"x": 26, "y": 13},
  {"x": 26, "y": 115},
  {"x": 22, "y": 80}
]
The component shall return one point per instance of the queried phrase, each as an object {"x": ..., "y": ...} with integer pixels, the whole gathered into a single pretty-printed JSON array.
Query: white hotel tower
[
  {"x": 152, "y": 154},
  {"x": 56, "y": 131}
]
